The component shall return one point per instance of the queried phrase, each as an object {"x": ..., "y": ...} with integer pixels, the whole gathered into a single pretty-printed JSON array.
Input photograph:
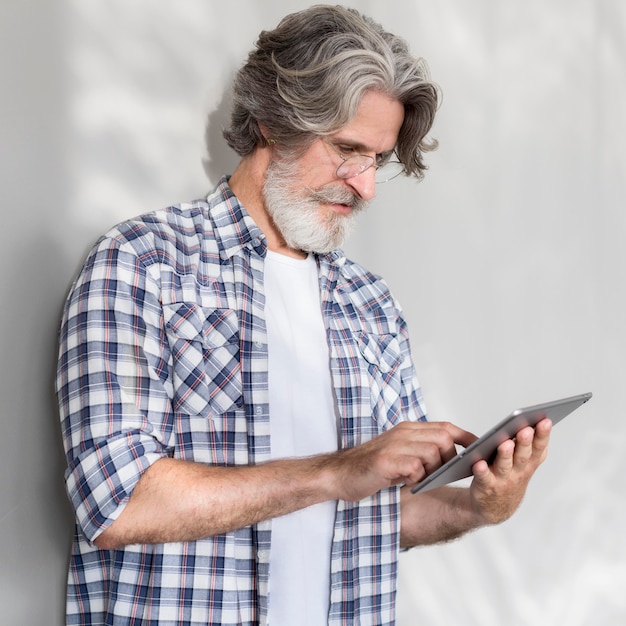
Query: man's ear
[
  {"x": 266, "y": 135},
  {"x": 264, "y": 130}
]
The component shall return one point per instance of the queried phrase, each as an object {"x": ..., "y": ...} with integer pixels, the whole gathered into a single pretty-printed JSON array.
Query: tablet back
[{"x": 486, "y": 446}]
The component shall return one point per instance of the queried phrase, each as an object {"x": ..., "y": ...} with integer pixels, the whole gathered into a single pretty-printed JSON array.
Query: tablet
[{"x": 485, "y": 447}]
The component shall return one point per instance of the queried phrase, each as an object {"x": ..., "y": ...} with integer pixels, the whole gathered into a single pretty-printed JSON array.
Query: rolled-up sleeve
[{"x": 113, "y": 383}]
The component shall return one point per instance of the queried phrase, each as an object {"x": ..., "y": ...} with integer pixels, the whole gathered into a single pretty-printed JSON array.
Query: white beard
[{"x": 298, "y": 217}]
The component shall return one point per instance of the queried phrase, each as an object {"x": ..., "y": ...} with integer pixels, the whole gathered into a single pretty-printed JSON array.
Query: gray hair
[{"x": 306, "y": 79}]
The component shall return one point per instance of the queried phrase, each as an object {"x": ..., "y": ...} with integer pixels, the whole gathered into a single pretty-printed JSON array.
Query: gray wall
[{"x": 508, "y": 259}]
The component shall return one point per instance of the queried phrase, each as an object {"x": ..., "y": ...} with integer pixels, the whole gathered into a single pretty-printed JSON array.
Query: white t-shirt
[{"x": 303, "y": 422}]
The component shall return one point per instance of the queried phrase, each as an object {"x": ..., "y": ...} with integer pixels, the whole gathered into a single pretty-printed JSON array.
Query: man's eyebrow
[
  {"x": 357, "y": 145},
  {"x": 349, "y": 143}
]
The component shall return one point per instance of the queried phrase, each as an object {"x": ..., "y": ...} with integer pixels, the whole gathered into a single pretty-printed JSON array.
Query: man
[{"x": 239, "y": 405}]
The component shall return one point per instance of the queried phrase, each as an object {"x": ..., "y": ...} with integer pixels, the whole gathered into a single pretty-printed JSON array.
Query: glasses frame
[{"x": 365, "y": 161}]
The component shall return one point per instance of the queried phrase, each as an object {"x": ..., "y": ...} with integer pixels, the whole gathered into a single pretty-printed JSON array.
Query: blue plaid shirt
[{"x": 163, "y": 353}]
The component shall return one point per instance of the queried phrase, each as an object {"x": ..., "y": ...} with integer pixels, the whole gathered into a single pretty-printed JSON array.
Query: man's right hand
[{"x": 404, "y": 454}]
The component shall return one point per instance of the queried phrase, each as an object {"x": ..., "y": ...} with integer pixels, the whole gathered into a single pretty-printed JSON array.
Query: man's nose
[{"x": 364, "y": 184}]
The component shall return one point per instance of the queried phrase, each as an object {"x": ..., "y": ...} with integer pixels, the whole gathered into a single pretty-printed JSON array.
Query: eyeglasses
[{"x": 355, "y": 164}]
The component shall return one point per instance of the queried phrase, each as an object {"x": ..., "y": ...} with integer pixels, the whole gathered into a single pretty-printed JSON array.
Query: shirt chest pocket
[{"x": 206, "y": 372}]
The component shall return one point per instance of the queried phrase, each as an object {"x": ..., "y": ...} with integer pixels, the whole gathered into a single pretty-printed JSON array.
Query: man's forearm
[{"x": 182, "y": 501}]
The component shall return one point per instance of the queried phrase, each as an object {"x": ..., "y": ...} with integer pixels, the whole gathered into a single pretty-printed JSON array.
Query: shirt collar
[{"x": 233, "y": 227}]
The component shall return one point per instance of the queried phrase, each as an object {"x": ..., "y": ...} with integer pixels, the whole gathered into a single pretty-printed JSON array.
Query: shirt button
[
  {"x": 258, "y": 344},
  {"x": 258, "y": 410}
]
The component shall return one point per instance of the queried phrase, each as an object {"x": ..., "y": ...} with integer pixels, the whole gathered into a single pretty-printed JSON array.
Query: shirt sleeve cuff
[{"x": 101, "y": 480}]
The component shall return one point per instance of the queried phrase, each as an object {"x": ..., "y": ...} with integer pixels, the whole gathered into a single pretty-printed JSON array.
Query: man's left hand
[{"x": 498, "y": 489}]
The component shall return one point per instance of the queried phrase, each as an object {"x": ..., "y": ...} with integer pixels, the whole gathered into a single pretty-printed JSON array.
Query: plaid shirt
[{"x": 163, "y": 353}]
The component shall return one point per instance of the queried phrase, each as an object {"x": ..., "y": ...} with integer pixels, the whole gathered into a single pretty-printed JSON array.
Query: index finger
[{"x": 458, "y": 435}]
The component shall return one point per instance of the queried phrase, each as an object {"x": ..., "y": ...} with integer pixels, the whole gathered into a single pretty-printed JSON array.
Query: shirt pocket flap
[
  {"x": 184, "y": 320},
  {"x": 382, "y": 351},
  {"x": 214, "y": 327}
]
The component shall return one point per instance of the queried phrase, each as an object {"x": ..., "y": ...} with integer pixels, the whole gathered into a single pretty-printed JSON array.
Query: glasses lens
[
  {"x": 354, "y": 165},
  {"x": 389, "y": 171}
]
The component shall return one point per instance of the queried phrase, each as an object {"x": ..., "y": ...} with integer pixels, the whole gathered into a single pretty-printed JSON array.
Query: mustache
[{"x": 335, "y": 195}]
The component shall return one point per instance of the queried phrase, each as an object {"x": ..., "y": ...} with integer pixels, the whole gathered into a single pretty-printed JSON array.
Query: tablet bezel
[{"x": 485, "y": 447}]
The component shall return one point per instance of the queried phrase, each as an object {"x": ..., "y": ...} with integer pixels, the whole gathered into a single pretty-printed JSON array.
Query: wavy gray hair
[{"x": 306, "y": 78}]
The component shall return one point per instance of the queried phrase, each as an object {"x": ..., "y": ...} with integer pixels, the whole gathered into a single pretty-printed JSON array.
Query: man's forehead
[{"x": 375, "y": 126}]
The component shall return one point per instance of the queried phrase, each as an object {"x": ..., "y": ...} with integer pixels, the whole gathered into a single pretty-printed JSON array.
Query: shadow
[
  {"x": 61, "y": 530},
  {"x": 37, "y": 521},
  {"x": 220, "y": 159}
]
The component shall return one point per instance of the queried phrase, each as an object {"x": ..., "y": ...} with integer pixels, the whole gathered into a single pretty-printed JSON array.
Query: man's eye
[
  {"x": 383, "y": 159},
  {"x": 347, "y": 150}
]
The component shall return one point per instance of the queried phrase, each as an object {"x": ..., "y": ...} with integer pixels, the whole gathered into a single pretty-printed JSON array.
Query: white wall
[{"x": 508, "y": 258}]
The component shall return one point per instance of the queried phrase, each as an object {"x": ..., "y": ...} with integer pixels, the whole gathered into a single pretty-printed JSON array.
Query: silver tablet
[{"x": 486, "y": 446}]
